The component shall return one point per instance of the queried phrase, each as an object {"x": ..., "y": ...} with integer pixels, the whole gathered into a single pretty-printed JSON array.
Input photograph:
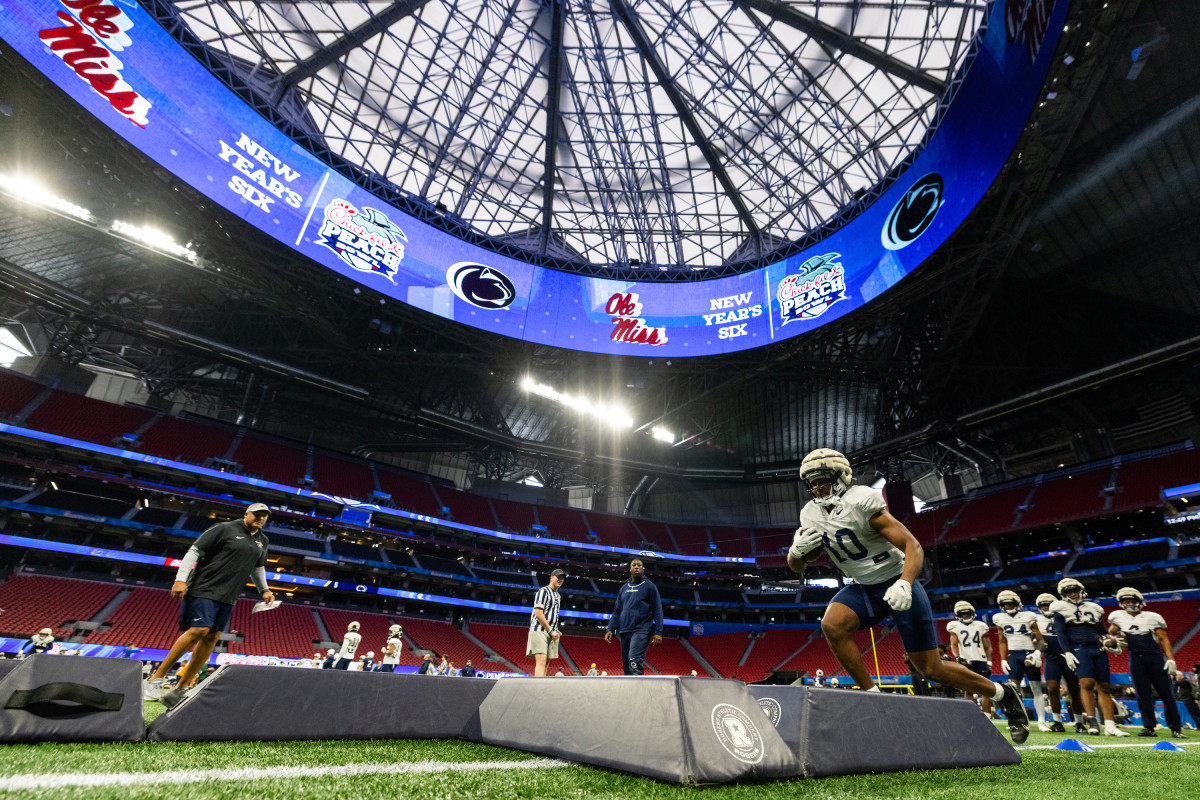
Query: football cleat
[
  {"x": 1113, "y": 730},
  {"x": 1178, "y": 734},
  {"x": 1080, "y": 726},
  {"x": 1045, "y": 727},
  {"x": 152, "y": 688},
  {"x": 1093, "y": 728},
  {"x": 1057, "y": 727},
  {"x": 1014, "y": 712},
  {"x": 1147, "y": 732},
  {"x": 173, "y": 697}
]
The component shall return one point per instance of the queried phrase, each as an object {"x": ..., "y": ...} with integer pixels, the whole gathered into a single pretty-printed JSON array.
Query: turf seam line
[{"x": 52, "y": 781}]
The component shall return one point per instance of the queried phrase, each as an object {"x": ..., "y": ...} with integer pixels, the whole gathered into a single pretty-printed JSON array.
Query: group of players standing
[
  {"x": 1067, "y": 636},
  {"x": 882, "y": 557}
]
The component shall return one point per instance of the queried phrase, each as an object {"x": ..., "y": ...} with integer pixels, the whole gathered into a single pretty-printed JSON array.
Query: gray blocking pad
[
  {"x": 49, "y": 698},
  {"x": 245, "y": 703},
  {"x": 843, "y": 732},
  {"x": 684, "y": 730}
]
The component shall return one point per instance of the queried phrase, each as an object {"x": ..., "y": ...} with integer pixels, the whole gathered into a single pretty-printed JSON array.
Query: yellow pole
[{"x": 874, "y": 653}]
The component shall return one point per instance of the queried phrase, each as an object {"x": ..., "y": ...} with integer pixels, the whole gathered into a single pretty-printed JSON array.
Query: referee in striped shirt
[{"x": 542, "y": 644}]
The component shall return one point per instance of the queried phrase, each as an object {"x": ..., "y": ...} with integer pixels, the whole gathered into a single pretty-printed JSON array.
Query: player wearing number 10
[{"x": 869, "y": 545}]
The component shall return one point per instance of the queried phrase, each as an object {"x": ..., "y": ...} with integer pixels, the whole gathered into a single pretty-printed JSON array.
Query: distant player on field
[
  {"x": 972, "y": 646},
  {"x": 1057, "y": 670},
  {"x": 1151, "y": 663},
  {"x": 1081, "y": 632},
  {"x": 1021, "y": 648},
  {"x": 868, "y": 544}
]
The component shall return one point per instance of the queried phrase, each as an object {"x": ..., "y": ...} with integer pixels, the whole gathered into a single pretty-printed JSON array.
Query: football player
[
  {"x": 1151, "y": 663},
  {"x": 393, "y": 649},
  {"x": 1056, "y": 670},
  {"x": 350, "y": 643},
  {"x": 971, "y": 645},
  {"x": 883, "y": 558},
  {"x": 1081, "y": 631},
  {"x": 1021, "y": 648}
]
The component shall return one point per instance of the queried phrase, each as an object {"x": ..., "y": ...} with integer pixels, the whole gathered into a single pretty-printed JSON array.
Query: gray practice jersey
[
  {"x": 860, "y": 551},
  {"x": 971, "y": 637},
  {"x": 1017, "y": 628}
]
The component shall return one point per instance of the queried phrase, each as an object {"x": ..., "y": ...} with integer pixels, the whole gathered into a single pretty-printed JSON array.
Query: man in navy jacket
[{"x": 637, "y": 619}]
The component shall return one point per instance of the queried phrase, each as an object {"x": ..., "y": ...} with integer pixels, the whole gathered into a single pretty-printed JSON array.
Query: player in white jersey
[
  {"x": 1083, "y": 638},
  {"x": 1021, "y": 648},
  {"x": 1151, "y": 663},
  {"x": 393, "y": 649},
  {"x": 349, "y": 644},
  {"x": 869, "y": 545},
  {"x": 971, "y": 646}
]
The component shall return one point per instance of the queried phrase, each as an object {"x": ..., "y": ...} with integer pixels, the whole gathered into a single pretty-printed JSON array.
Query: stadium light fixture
[
  {"x": 662, "y": 435},
  {"x": 605, "y": 412},
  {"x": 153, "y": 238},
  {"x": 28, "y": 190}
]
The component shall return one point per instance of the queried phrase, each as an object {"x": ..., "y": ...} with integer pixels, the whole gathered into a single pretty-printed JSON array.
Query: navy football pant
[
  {"x": 633, "y": 651},
  {"x": 1146, "y": 670}
]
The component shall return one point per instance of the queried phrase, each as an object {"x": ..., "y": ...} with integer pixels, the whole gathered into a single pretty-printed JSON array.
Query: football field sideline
[{"x": 185, "y": 776}]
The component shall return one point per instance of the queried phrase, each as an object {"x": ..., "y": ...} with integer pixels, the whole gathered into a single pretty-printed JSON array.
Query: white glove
[
  {"x": 1034, "y": 659},
  {"x": 1071, "y": 660},
  {"x": 899, "y": 595},
  {"x": 805, "y": 541},
  {"x": 1169, "y": 666},
  {"x": 1004, "y": 665}
]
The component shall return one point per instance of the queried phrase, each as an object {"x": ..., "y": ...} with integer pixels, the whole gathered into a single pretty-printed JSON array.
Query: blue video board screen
[{"x": 117, "y": 62}]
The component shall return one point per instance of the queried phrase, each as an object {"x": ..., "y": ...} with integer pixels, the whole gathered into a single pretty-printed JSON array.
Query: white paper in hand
[{"x": 265, "y": 606}]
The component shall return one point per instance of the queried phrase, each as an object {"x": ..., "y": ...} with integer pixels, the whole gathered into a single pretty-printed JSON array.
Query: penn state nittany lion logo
[
  {"x": 737, "y": 733},
  {"x": 480, "y": 285},
  {"x": 772, "y": 709},
  {"x": 913, "y": 215}
]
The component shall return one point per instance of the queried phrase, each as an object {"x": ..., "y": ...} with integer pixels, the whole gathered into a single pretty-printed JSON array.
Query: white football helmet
[
  {"x": 964, "y": 611},
  {"x": 820, "y": 673},
  {"x": 1130, "y": 599},
  {"x": 1044, "y": 601},
  {"x": 1069, "y": 585},
  {"x": 370, "y": 654},
  {"x": 353, "y": 626},
  {"x": 1009, "y": 601},
  {"x": 329, "y": 652},
  {"x": 829, "y": 465},
  {"x": 394, "y": 630}
]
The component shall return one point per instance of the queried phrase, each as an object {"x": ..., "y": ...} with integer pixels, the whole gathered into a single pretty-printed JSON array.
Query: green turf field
[{"x": 458, "y": 770}]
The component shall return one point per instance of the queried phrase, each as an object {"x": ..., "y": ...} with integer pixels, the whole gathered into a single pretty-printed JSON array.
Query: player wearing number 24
[{"x": 852, "y": 525}]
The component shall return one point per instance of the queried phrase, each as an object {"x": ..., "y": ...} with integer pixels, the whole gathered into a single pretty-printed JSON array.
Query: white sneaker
[
  {"x": 1113, "y": 730},
  {"x": 152, "y": 688},
  {"x": 1044, "y": 727}
]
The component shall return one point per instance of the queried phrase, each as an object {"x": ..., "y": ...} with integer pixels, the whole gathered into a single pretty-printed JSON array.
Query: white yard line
[{"x": 53, "y": 781}]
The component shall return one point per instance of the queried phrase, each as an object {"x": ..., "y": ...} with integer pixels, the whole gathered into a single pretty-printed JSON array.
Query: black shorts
[{"x": 204, "y": 612}]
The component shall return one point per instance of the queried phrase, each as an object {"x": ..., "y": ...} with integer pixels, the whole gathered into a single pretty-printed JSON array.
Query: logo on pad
[
  {"x": 772, "y": 709},
  {"x": 737, "y": 733}
]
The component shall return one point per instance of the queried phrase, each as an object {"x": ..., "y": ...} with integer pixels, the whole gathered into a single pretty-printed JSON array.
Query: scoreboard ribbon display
[{"x": 117, "y": 62}]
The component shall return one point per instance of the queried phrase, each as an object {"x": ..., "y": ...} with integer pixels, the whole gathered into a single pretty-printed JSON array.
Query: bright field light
[
  {"x": 606, "y": 412},
  {"x": 663, "y": 435},
  {"x": 154, "y": 238},
  {"x": 28, "y": 190}
]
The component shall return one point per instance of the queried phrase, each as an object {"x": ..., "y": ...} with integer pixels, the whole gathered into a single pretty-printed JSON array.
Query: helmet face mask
[
  {"x": 1070, "y": 586},
  {"x": 826, "y": 467},
  {"x": 964, "y": 611},
  {"x": 353, "y": 626},
  {"x": 1131, "y": 600},
  {"x": 1044, "y": 601},
  {"x": 1010, "y": 602}
]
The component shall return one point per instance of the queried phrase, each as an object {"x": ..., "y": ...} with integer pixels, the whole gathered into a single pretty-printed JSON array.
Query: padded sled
[
  {"x": 684, "y": 730},
  {"x": 245, "y": 703},
  {"x": 844, "y": 732},
  {"x": 49, "y": 698}
]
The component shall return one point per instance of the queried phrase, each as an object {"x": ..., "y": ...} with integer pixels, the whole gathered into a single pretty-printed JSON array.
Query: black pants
[
  {"x": 1146, "y": 671},
  {"x": 633, "y": 651}
]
